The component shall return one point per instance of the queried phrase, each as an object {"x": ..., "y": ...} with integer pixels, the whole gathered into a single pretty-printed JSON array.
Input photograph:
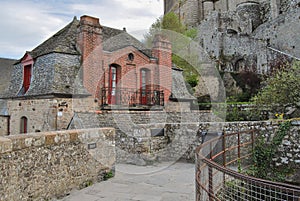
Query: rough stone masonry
[{"x": 42, "y": 166}]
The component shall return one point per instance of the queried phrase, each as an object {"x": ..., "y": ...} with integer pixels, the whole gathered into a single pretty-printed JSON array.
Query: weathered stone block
[
  {"x": 47, "y": 165},
  {"x": 5, "y": 145}
]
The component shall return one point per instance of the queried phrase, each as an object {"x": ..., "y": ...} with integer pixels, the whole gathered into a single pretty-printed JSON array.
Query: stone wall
[
  {"x": 133, "y": 128},
  {"x": 289, "y": 151},
  {"x": 126, "y": 119},
  {"x": 192, "y": 12},
  {"x": 242, "y": 45},
  {"x": 180, "y": 140},
  {"x": 46, "y": 114},
  {"x": 43, "y": 166},
  {"x": 244, "y": 35},
  {"x": 137, "y": 137},
  {"x": 4, "y": 125}
]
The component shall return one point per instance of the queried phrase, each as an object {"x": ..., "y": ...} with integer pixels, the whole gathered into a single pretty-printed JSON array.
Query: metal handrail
[
  {"x": 132, "y": 97},
  {"x": 208, "y": 167}
]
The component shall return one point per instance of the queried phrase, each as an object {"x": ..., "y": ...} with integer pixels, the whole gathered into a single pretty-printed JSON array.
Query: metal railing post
[
  {"x": 210, "y": 175},
  {"x": 224, "y": 155},
  {"x": 239, "y": 185},
  {"x": 224, "y": 149},
  {"x": 210, "y": 183},
  {"x": 239, "y": 145}
]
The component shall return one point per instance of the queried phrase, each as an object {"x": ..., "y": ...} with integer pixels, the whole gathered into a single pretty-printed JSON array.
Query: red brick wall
[
  {"x": 96, "y": 63},
  {"x": 162, "y": 50},
  {"x": 130, "y": 70},
  {"x": 90, "y": 44}
]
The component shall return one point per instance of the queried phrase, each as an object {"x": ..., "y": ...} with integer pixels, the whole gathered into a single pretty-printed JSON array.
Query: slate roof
[
  {"x": 6, "y": 68},
  {"x": 58, "y": 62},
  {"x": 64, "y": 41},
  {"x": 115, "y": 39},
  {"x": 179, "y": 90}
]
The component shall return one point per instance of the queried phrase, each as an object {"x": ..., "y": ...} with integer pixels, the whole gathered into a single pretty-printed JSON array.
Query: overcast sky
[{"x": 24, "y": 24}]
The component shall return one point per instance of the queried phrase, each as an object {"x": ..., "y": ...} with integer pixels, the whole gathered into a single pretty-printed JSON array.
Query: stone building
[
  {"x": 243, "y": 35},
  {"x": 86, "y": 67},
  {"x": 5, "y": 74},
  {"x": 193, "y": 12}
]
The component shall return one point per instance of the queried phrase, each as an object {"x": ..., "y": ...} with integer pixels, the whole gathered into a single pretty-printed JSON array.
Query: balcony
[{"x": 132, "y": 98}]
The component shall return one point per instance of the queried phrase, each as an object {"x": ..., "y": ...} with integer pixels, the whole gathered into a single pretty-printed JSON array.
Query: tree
[
  {"x": 155, "y": 27},
  {"x": 281, "y": 90},
  {"x": 191, "y": 33},
  {"x": 171, "y": 21}
]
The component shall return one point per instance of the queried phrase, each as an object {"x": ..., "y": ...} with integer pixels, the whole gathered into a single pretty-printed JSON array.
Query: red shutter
[{"x": 27, "y": 77}]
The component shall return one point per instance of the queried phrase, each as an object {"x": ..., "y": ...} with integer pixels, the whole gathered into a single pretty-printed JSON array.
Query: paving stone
[{"x": 165, "y": 183}]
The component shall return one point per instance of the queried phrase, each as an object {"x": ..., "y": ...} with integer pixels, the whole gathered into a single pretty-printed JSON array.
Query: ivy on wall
[{"x": 263, "y": 154}]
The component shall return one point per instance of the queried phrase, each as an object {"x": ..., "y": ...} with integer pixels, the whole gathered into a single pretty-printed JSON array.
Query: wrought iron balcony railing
[{"x": 131, "y": 97}]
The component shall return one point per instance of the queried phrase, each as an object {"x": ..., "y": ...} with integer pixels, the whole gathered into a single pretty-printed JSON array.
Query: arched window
[{"x": 24, "y": 125}]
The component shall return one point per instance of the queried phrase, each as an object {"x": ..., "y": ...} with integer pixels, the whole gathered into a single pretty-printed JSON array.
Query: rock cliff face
[{"x": 244, "y": 35}]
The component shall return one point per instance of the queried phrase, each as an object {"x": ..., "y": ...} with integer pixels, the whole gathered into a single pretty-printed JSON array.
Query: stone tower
[
  {"x": 189, "y": 12},
  {"x": 192, "y": 12}
]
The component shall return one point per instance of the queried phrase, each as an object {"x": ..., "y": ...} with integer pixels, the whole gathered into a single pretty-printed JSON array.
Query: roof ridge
[
  {"x": 48, "y": 45},
  {"x": 2, "y": 58},
  {"x": 113, "y": 28},
  {"x": 65, "y": 28}
]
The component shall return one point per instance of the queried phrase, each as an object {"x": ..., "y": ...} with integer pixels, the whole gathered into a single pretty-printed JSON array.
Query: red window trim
[
  {"x": 27, "y": 70},
  {"x": 27, "y": 63}
]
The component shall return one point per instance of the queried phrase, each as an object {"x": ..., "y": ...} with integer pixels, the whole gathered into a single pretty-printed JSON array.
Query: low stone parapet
[{"x": 42, "y": 166}]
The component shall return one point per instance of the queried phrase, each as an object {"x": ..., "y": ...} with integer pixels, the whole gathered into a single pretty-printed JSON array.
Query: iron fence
[
  {"x": 131, "y": 97},
  {"x": 219, "y": 163}
]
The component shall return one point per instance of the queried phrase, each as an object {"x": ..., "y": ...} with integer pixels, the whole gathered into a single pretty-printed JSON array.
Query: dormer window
[
  {"x": 26, "y": 77},
  {"x": 27, "y": 64}
]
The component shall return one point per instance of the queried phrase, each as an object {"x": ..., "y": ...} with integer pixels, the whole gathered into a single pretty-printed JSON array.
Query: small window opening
[
  {"x": 24, "y": 125},
  {"x": 130, "y": 57},
  {"x": 157, "y": 132}
]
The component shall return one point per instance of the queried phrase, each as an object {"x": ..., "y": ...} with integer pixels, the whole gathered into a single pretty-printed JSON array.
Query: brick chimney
[
  {"x": 162, "y": 50},
  {"x": 90, "y": 45}
]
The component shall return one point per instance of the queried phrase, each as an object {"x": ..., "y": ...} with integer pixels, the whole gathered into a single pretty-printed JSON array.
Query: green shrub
[{"x": 108, "y": 175}]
